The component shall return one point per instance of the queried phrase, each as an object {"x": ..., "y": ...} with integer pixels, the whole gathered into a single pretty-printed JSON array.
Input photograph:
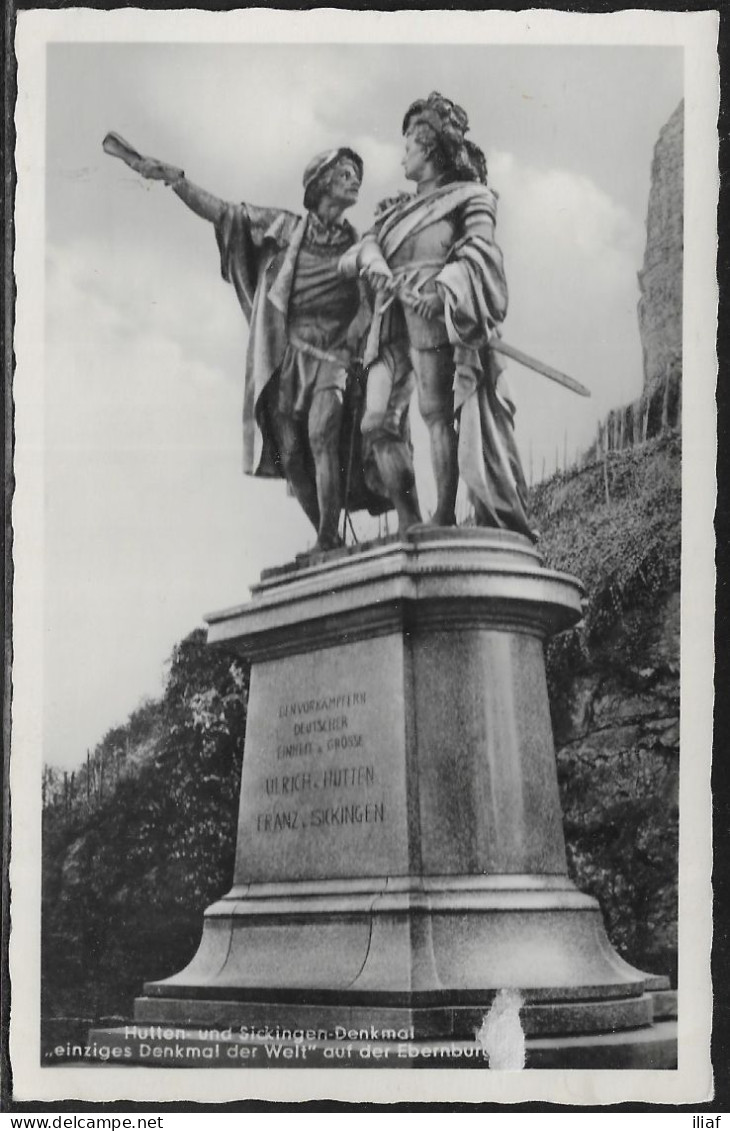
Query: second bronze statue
[
  {"x": 435, "y": 267},
  {"x": 420, "y": 300}
]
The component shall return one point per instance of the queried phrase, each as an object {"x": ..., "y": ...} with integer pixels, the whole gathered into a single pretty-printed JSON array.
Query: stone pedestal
[{"x": 400, "y": 854}]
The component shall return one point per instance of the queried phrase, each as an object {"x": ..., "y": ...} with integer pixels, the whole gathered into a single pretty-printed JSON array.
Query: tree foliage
[{"x": 125, "y": 881}]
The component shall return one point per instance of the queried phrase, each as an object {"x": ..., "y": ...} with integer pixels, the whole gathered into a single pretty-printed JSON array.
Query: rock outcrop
[
  {"x": 659, "y": 408},
  {"x": 660, "y": 279}
]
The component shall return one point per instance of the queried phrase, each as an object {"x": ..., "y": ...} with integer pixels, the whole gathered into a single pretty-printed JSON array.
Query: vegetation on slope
[
  {"x": 614, "y": 688},
  {"x": 616, "y": 525},
  {"x": 126, "y": 879}
]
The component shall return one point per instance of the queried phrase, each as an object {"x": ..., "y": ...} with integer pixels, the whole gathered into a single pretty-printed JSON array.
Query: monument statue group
[
  {"x": 418, "y": 302},
  {"x": 400, "y": 868}
]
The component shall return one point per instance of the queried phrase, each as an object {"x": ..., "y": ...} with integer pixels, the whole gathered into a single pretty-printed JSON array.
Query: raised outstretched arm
[{"x": 200, "y": 201}]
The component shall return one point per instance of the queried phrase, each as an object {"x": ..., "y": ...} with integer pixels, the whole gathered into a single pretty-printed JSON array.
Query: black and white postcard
[{"x": 363, "y": 556}]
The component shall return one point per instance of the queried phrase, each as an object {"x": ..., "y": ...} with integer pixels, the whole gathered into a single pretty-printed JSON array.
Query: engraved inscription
[
  {"x": 288, "y": 783},
  {"x": 320, "y": 726},
  {"x": 338, "y": 778},
  {"x": 317, "y": 729},
  {"x": 275, "y": 822},
  {"x": 341, "y": 777},
  {"x": 319, "y": 706},
  {"x": 348, "y": 815},
  {"x": 280, "y": 820},
  {"x": 294, "y": 749}
]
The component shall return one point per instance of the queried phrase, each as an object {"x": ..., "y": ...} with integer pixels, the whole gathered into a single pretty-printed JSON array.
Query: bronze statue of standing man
[
  {"x": 433, "y": 263},
  {"x": 305, "y": 322}
]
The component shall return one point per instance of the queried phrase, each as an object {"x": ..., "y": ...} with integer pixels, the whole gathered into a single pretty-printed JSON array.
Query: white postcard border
[{"x": 697, "y": 33}]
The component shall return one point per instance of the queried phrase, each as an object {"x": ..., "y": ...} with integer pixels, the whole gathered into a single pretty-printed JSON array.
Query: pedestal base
[
  {"x": 400, "y": 855},
  {"x": 432, "y": 952}
]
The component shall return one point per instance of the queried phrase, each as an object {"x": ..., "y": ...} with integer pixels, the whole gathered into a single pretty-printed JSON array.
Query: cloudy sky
[{"x": 149, "y": 522}]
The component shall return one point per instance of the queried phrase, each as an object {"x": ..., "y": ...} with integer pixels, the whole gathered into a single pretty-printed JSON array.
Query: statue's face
[
  {"x": 416, "y": 157},
  {"x": 343, "y": 184}
]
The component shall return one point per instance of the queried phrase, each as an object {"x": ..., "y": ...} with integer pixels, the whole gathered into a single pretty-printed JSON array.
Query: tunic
[
  {"x": 284, "y": 271},
  {"x": 444, "y": 240}
]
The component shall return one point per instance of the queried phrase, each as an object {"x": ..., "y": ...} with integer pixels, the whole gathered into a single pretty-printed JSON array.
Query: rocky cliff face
[
  {"x": 660, "y": 279},
  {"x": 614, "y": 689},
  {"x": 659, "y": 408}
]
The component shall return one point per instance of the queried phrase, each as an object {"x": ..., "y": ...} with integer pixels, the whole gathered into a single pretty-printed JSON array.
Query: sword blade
[
  {"x": 539, "y": 366},
  {"x": 407, "y": 296}
]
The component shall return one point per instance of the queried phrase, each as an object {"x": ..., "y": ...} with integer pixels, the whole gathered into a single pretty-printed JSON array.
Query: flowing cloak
[
  {"x": 472, "y": 283},
  {"x": 259, "y": 248}
]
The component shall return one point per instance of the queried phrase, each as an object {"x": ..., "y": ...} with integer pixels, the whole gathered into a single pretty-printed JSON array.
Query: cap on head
[{"x": 322, "y": 163}]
